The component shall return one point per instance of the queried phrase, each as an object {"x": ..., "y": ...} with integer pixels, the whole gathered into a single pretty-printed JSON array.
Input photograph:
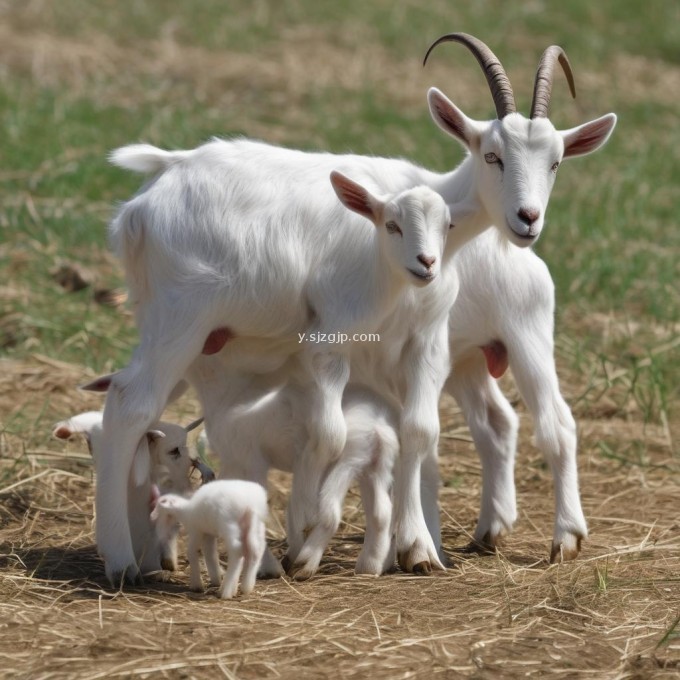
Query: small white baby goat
[{"x": 233, "y": 510}]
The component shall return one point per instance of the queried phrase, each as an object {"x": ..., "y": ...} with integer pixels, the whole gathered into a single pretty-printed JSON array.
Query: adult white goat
[
  {"x": 162, "y": 458},
  {"x": 233, "y": 510},
  {"x": 244, "y": 242}
]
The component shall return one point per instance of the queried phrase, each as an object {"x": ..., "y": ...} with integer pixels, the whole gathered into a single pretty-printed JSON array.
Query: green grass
[{"x": 611, "y": 240}]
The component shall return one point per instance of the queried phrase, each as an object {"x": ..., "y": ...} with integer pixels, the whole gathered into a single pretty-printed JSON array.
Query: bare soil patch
[{"x": 612, "y": 613}]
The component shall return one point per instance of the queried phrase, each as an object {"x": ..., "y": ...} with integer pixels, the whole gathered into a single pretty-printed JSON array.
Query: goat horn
[
  {"x": 499, "y": 83},
  {"x": 544, "y": 80},
  {"x": 193, "y": 425}
]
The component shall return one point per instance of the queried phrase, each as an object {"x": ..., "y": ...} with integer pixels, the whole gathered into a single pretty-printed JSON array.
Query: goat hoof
[
  {"x": 486, "y": 545},
  {"x": 477, "y": 548},
  {"x": 567, "y": 550},
  {"x": 168, "y": 564},
  {"x": 422, "y": 568},
  {"x": 126, "y": 577},
  {"x": 286, "y": 564},
  {"x": 300, "y": 571},
  {"x": 270, "y": 574},
  {"x": 301, "y": 574}
]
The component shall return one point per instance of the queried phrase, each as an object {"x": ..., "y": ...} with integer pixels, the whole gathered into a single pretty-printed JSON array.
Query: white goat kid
[
  {"x": 371, "y": 448},
  {"x": 245, "y": 242},
  {"x": 233, "y": 510},
  {"x": 163, "y": 459},
  {"x": 255, "y": 425}
]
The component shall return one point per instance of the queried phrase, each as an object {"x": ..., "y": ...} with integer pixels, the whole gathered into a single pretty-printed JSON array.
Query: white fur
[
  {"x": 254, "y": 425},
  {"x": 233, "y": 510},
  {"x": 249, "y": 236},
  {"x": 514, "y": 304},
  {"x": 162, "y": 458}
]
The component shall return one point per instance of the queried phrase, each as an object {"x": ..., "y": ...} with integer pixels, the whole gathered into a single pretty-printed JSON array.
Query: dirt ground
[{"x": 611, "y": 614}]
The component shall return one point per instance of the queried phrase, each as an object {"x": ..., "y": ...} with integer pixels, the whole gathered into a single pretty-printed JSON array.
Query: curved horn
[
  {"x": 499, "y": 83},
  {"x": 544, "y": 80},
  {"x": 193, "y": 425}
]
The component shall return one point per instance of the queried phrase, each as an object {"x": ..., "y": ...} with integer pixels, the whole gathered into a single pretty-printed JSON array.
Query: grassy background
[{"x": 79, "y": 78}]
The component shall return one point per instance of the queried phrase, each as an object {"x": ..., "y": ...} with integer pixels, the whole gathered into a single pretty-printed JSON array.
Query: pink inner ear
[
  {"x": 62, "y": 432},
  {"x": 449, "y": 118},
  {"x": 357, "y": 201},
  {"x": 98, "y": 385},
  {"x": 588, "y": 138},
  {"x": 496, "y": 355},
  {"x": 155, "y": 494},
  {"x": 352, "y": 195}
]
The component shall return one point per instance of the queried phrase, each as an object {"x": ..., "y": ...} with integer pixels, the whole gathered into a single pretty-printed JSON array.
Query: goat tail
[
  {"x": 251, "y": 527},
  {"x": 145, "y": 158},
  {"x": 127, "y": 235},
  {"x": 245, "y": 525}
]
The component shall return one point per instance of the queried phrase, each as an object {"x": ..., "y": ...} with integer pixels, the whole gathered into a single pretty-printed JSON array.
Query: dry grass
[{"x": 610, "y": 614}]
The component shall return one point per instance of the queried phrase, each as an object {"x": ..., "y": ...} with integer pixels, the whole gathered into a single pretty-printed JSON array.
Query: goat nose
[
  {"x": 528, "y": 215},
  {"x": 427, "y": 260}
]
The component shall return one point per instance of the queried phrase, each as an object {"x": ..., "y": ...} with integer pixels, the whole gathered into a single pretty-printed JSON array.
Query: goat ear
[
  {"x": 141, "y": 463},
  {"x": 356, "y": 198},
  {"x": 63, "y": 430},
  {"x": 588, "y": 137},
  {"x": 100, "y": 384},
  {"x": 154, "y": 495},
  {"x": 166, "y": 502},
  {"x": 154, "y": 435},
  {"x": 451, "y": 119}
]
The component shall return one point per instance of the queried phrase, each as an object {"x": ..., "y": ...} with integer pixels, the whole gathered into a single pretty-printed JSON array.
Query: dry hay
[{"x": 610, "y": 614}]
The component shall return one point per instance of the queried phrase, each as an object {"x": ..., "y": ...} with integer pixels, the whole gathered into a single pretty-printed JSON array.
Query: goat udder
[
  {"x": 496, "y": 355},
  {"x": 216, "y": 340}
]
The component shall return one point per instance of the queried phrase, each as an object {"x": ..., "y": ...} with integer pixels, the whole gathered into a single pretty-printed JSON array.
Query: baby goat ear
[
  {"x": 451, "y": 119},
  {"x": 154, "y": 495},
  {"x": 356, "y": 198},
  {"x": 166, "y": 502},
  {"x": 588, "y": 137},
  {"x": 154, "y": 435},
  {"x": 100, "y": 384}
]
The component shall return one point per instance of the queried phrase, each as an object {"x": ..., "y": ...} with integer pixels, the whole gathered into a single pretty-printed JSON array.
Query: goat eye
[
  {"x": 554, "y": 166},
  {"x": 492, "y": 159},
  {"x": 175, "y": 453},
  {"x": 393, "y": 228}
]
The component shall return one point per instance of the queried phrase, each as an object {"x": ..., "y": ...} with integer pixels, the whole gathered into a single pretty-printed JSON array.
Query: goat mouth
[
  {"x": 527, "y": 238},
  {"x": 425, "y": 278}
]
